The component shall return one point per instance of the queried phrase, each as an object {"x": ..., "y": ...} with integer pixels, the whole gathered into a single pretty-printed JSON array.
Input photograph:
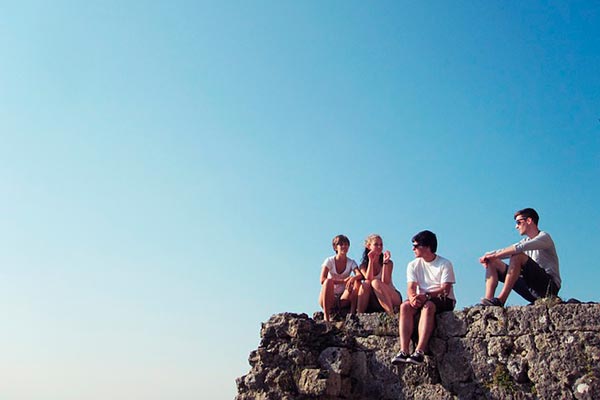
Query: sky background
[{"x": 172, "y": 173}]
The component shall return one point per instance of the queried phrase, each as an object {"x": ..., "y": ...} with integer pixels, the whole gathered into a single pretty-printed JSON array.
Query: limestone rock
[{"x": 545, "y": 351}]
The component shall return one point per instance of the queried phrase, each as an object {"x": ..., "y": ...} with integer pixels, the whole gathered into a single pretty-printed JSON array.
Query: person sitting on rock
[
  {"x": 338, "y": 288},
  {"x": 430, "y": 291},
  {"x": 532, "y": 271},
  {"x": 377, "y": 291}
]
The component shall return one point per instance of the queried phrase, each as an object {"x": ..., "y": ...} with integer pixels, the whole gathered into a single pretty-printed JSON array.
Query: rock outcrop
[{"x": 544, "y": 351}]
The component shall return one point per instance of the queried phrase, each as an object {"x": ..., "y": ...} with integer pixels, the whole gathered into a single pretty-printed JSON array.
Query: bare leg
[
  {"x": 326, "y": 298},
  {"x": 426, "y": 325},
  {"x": 364, "y": 293},
  {"x": 514, "y": 271},
  {"x": 350, "y": 297},
  {"x": 382, "y": 295},
  {"x": 394, "y": 296},
  {"x": 406, "y": 325},
  {"x": 354, "y": 298},
  {"x": 492, "y": 270}
]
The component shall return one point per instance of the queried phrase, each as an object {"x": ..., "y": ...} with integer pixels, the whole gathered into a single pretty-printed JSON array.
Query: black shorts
[
  {"x": 443, "y": 304},
  {"x": 533, "y": 283}
]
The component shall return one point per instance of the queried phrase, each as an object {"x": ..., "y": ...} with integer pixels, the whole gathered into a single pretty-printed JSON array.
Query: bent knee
[
  {"x": 327, "y": 283},
  {"x": 377, "y": 284},
  {"x": 495, "y": 268},
  {"x": 429, "y": 306},
  {"x": 363, "y": 290},
  {"x": 520, "y": 258},
  {"x": 405, "y": 306}
]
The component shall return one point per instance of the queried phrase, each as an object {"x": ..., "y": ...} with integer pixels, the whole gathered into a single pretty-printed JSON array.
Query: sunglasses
[
  {"x": 520, "y": 221},
  {"x": 416, "y": 245}
]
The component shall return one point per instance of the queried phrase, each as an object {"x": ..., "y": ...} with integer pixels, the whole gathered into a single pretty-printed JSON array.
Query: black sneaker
[
  {"x": 492, "y": 302},
  {"x": 416, "y": 358},
  {"x": 400, "y": 358}
]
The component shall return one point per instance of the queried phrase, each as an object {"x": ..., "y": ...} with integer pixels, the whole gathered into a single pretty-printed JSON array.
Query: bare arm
[
  {"x": 498, "y": 254},
  {"x": 411, "y": 289},
  {"x": 369, "y": 272},
  {"x": 415, "y": 300},
  {"x": 351, "y": 280},
  {"x": 388, "y": 266},
  {"x": 324, "y": 273},
  {"x": 364, "y": 270},
  {"x": 386, "y": 275},
  {"x": 443, "y": 291}
]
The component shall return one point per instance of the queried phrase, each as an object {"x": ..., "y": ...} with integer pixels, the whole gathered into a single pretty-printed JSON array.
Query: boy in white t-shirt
[
  {"x": 430, "y": 279},
  {"x": 338, "y": 288}
]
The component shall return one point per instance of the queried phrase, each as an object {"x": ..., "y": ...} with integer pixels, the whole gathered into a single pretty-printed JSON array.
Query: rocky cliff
[{"x": 544, "y": 351}]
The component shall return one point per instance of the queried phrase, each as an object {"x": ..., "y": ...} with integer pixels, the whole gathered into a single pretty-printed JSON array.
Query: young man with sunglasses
[
  {"x": 532, "y": 271},
  {"x": 430, "y": 279}
]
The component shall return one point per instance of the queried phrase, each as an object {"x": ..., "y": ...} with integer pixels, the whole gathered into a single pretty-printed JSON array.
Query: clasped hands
[
  {"x": 417, "y": 300},
  {"x": 487, "y": 257}
]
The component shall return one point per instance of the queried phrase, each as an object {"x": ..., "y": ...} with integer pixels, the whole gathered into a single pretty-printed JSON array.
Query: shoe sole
[{"x": 414, "y": 362}]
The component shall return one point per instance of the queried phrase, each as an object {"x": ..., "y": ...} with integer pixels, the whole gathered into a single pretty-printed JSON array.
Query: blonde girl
[{"x": 377, "y": 291}]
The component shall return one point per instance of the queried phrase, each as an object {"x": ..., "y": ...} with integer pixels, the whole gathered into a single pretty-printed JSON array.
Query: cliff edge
[{"x": 544, "y": 351}]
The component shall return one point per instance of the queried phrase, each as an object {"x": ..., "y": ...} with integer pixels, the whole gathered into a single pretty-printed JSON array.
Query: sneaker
[
  {"x": 492, "y": 302},
  {"x": 416, "y": 358},
  {"x": 400, "y": 358}
]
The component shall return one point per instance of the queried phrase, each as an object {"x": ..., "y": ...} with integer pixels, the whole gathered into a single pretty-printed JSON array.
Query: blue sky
[{"x": 173, "y": 173}]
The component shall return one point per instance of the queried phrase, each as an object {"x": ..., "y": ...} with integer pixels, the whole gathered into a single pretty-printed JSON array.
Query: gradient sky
[{"x": 172, "y": 173}]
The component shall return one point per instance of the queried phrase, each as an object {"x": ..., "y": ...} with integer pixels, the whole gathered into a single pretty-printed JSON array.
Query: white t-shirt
[
  {"x": 329, "y": 263},
  {"x": 430, "y": 276}
]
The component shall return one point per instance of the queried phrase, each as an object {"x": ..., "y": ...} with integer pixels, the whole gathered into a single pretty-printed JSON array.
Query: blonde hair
[{"x": 371, "y": 238}]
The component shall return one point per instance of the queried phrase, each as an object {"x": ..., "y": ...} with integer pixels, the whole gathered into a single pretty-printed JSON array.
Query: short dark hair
[
  {"x": 528, "y": 213},
  {"x": 340, "y": 239},
  {"x": 427, "y": 239}
]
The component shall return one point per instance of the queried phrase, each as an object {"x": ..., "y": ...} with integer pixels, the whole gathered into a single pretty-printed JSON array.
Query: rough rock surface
[{"x": 544, "y": 351}]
